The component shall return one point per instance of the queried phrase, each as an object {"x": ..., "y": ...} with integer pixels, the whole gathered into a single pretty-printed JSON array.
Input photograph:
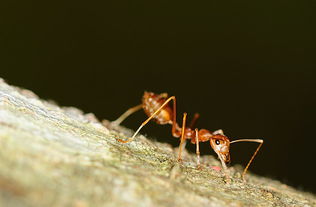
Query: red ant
[{"x": 157, "y": 107}]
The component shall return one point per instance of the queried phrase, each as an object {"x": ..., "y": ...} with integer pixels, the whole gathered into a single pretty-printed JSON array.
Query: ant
[{"x": 157, "y": 107}]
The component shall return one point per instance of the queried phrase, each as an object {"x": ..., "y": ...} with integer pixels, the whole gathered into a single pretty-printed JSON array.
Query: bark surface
[{"x": 58, "y": 156}]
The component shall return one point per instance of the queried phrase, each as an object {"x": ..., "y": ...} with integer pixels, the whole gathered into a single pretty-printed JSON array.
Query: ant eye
[{"x": 217, "y": 142}]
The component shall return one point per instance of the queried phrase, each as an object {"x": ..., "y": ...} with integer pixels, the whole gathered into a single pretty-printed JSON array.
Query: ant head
[{"x": 220, "y": 144}]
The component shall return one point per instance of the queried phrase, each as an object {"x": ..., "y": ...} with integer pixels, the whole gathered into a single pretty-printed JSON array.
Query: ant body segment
[{"x": 157, "y": 108}]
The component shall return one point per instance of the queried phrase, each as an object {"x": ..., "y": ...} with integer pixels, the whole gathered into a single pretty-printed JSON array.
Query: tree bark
[{"x": 58, "y": 156}]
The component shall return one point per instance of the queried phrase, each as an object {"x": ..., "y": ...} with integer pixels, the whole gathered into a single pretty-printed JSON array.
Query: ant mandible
[{"x": 157, "y": 107}]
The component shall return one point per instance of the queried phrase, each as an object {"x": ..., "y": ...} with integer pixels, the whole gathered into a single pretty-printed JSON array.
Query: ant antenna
[{"x": 254, "y": 154}]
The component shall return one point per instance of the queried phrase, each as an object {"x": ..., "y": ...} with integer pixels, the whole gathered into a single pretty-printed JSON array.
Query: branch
[{"x": 58, "y": 156}]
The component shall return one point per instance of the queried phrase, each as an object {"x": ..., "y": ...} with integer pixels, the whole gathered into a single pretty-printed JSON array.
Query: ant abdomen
[{"x": 151, "y": 103}]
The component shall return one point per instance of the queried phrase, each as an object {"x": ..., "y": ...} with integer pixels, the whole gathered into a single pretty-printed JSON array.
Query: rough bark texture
[{"x": 57, "y": 156}]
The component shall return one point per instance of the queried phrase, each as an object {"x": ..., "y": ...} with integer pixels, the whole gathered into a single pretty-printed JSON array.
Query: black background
[{"x": 248, "y": 67}]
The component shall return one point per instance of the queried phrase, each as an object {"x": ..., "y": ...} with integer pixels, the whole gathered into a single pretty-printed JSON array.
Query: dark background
[{"x": 248, "y": 67}]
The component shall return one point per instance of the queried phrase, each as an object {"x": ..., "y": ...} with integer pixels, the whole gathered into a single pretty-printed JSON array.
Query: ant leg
[
  {"x": 175, "y": 128},
  {"x": 197, "y": 147},
  {"x": 147, "y": 120},
  {"x": 127, "y": 113},
  {"x": 227, "y": 178},
  {"x": 182, "y": 136},
  {"x": 193, "y": 122},
  {"x": 254, "y": 154}
]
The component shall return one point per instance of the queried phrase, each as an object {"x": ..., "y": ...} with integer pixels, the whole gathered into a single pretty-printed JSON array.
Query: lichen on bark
[{"x": 59, "y": 156}]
